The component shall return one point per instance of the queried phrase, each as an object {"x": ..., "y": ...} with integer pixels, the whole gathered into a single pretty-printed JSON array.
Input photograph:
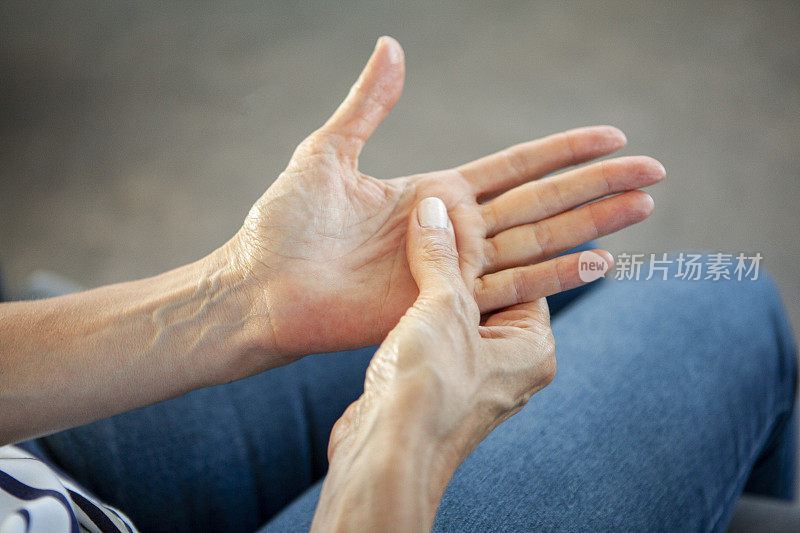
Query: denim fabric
[{"x": 670, "y": 397}]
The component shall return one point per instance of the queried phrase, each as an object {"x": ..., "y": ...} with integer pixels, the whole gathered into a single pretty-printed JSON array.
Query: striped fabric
[{"x": 34, "y": 498}]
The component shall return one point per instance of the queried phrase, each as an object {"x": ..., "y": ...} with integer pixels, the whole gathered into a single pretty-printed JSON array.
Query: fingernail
[{"x": 432, "y": 214}]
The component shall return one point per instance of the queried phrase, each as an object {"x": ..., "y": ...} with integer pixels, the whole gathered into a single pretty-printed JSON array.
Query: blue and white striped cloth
[{"x": 34, "y": 498}]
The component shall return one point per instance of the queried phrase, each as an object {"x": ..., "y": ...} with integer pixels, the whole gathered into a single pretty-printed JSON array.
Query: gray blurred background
[{"x": 136, "y": 136}]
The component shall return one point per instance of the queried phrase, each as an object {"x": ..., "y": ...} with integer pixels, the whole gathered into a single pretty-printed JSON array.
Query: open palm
[{"x": 326, "y": 243}]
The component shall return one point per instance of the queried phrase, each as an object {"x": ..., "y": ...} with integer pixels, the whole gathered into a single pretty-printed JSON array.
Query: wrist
[
  {"x": 123, "y": 346},
  {"x": 395, "y": 460},
  {"x": 239, "y": 310},
  {"x": 417, "y": 432}
]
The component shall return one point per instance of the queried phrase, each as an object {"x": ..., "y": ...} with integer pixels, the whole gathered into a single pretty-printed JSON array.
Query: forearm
[
  {"x": 389, "y": 476},
  {"x": 73, "y": 359}
]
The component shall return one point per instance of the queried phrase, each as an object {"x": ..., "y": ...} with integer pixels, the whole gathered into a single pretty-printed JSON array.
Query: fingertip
[
  {"x": 662, "y": 171},
  {"x": 635, "y": 171},
  {"x": 650, "y": 168},
  {"x": 609, "y": 259},
  {"x": 639, "y": 204},
  {"x": 647, "y": 204},
  {"x": 591, "y": 265},
  {"x": 393, "y": 49},
  {"x": 372, "y": 96},
  {"x": 593, "y": 141},
  {"x": 617, "y": 135}
]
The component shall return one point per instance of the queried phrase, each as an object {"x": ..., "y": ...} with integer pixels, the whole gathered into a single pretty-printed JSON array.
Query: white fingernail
[{"x": 432, "y": 213}]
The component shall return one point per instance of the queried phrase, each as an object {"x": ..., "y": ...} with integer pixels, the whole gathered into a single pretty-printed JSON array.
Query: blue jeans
[{"x": 672, "y": 397}]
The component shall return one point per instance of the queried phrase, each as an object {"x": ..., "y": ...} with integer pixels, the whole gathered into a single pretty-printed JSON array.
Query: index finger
[{"x": 521, "y": 163}]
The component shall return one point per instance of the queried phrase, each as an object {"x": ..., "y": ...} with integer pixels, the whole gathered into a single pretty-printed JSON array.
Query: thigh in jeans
[{"x": 667, "y": 395}]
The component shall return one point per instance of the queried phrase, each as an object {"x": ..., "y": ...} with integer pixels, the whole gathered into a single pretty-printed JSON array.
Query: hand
[
  {"x": 439, "y": 383},
  {"x": 323, "y": 250}
]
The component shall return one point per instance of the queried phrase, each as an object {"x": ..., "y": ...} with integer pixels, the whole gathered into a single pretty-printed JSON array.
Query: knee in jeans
[
  {"x": 765, "y": 305},
  {"x": 755, "y": 286},
  {"x": 749, "y": 302}
]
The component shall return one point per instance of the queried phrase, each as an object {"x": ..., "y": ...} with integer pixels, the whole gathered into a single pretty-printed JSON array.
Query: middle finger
[
  {"x": 547, "y": 197},
  {"x": 531, "y": 243}
]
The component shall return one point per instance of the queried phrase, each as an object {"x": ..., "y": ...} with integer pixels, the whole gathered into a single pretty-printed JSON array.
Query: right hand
[
  {"x": 443, "y": 371},
  {"x": 440, "y": 382}
]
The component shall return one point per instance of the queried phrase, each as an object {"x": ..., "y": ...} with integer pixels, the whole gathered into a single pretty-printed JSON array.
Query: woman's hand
[
  {"x": 322, "y": 252},
  {"x": 441, "y": 381},
  {"x": 319, "y": 265}
]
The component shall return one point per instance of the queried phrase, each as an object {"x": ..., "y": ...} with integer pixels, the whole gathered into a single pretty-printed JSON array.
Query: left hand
[{"x": 323, "y": 252}]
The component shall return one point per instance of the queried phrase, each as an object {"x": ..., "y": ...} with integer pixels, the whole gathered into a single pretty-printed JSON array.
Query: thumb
[
  {"x": 371, "y": 98},
  {"x": 431, "y": 247}
]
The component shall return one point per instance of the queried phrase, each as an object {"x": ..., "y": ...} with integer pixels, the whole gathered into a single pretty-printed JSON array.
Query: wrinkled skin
[
  {"x": 323, "y": 250},
  {"x": 436, "y": 387},
  {"x": 475, "y": 373}
]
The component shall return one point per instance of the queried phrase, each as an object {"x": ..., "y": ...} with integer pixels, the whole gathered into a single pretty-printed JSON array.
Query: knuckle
[
  {"x": 550, "y": 342},
  {"x": 541, "y": 366},
  {"x": 538, "y": 377},
  {"x": 523, "y": 401},
  {"x": 606, "y": 169},
  {"x": 544, "y": 366},
  {"x": 449, "y": 296},
  {"x": 491, "y": 253},
  {"x": 491, "y": 219},
  {"x": 452, "y": 303},
  {"x": 519, "y": 285},
  {"x": 440, "y": 251},
  {"x": 527, "y": 374},
  {"x": 548, "y": 369},
  {"x": 515, "y": 159}
]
